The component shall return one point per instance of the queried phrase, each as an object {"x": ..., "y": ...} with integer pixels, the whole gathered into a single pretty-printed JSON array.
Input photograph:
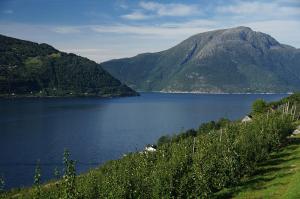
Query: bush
[
  {"x": 2, "y": 184},
  {"x": 259, "y": 106},
  {"x": 37, "y": 181},
  {"x": 69, "y": 178}
]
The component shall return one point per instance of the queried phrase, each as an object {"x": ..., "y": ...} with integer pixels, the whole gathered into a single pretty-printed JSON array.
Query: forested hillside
[{"x": 31, "y": 69}]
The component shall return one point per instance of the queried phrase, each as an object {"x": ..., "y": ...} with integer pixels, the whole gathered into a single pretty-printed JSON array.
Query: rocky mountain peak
[{"x": 241, "y": 37}]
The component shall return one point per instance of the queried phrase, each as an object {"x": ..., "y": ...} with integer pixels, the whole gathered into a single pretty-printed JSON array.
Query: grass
[{"x": 278, "y": 177}]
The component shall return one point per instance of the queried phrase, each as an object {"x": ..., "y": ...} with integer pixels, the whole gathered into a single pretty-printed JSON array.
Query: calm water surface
[{"x": 96, "y": 130}]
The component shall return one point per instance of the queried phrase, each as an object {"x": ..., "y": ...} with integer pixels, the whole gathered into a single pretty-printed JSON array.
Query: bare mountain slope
[{"x": 229, "y": 60}]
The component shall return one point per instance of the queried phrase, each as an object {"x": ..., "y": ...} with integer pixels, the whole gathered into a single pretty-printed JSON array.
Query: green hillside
[
  {"x": 220, "y": 159},
  {"x": 31, "y": 69},
  {"x": 278, "y": 177},
  {"x": 229, "y": 60}
]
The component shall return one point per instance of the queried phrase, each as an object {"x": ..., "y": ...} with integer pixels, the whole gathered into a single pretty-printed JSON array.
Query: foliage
[
  {"x": 32, "y": 69},
  {"x": 290, "y": 101},
  {"x": 163, "y": 140},
  {"x": 213, "y": 125},
  {"x": 2, "y": 184},
  {"x": 37, "y": 181},
  {"x": 56, "y": 173},
  {"x": 259, "y": 106},
  {"x": 69, "y": 177},
  {"x": 276, "y": 178},
  {"x": 204, "y": 128}
]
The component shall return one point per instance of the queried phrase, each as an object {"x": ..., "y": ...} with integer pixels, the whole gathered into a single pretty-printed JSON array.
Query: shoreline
[
  {"x": 18, "y": 96},
  {"x": 219, "y": 93}
]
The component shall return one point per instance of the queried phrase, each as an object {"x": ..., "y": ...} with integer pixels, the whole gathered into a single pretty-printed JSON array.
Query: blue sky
[{"x": 106, "y": 29}]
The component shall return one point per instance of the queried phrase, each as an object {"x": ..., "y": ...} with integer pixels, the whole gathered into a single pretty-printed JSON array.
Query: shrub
[
  {"x": 37, "y": 181},
  {"x": 2, "y": 184},
  {"x": 69, "y": 177},
  {"x": 259, "y": 106}
]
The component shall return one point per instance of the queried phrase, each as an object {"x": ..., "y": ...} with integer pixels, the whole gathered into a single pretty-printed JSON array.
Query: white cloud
[
  {"x": 8, "y": 12},
  {"x": 285, "y": 31},
  {"x": 66, "y": 29},
  {"x": 97, "y": 54},
  {"x": 171, "y": 9},
  {"x": 288, "y": 1},
  {"x": 136, "y": 15},
  {"x": 83, "y": 50},
  {"x": 123, "y": 6},
  {"x": 255, "y": 9},
  {"x": 153, "y": 9},
  {"x": 161, "y": 31},
  {"x": 193, "y": 23}
]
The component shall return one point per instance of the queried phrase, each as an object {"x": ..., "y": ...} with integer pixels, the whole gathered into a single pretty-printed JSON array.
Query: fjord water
[{"x": 96, "y": 130}]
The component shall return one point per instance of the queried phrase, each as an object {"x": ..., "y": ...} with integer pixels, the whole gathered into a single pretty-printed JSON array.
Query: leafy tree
[
  {"x": 163, "y": 140},
  {"x": 69, "y": 178},
  {"x": 56, "y": 173},
  {"x": 259, "y": 106},
  {"x": 2, "y": 184},
  {"x": 37, "y": 181}
]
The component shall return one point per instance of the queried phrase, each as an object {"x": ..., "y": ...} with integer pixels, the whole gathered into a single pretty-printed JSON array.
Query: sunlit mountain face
[{"x": 234, "y": 60}]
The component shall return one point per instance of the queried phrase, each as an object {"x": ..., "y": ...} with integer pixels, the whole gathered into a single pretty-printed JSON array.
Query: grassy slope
[{"x": 278, "y": 177}]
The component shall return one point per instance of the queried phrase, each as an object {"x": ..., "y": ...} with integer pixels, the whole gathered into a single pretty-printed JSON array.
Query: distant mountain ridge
[
  {"x": 228, "y": 60},
  {"x": 31, "y": 69}
]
